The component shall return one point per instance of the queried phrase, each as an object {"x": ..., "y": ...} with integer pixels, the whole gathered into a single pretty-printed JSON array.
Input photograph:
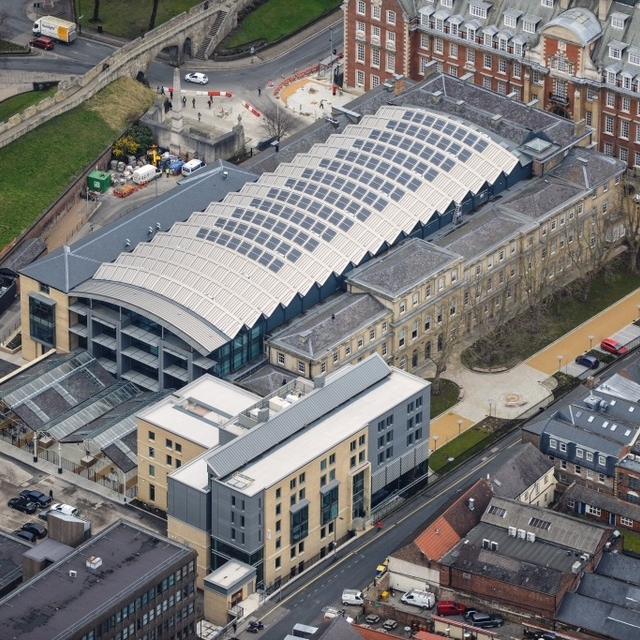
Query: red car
[
  {"x": 449, "y": 608},
  {"x": 42, "y": 42},
  {"x": 610, "y": 345}
]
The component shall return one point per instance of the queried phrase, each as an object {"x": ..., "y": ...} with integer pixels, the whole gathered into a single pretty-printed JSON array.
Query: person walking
[
  {"x": 379, "y": 525},
  {"x": 193, "y": 102},
  {"x": 199, "y": 116}
]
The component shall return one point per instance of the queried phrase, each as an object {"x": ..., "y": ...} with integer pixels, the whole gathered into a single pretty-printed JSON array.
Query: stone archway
[
  {"x": 187, "y": 48},
  {"x": 560, "y": 111}
]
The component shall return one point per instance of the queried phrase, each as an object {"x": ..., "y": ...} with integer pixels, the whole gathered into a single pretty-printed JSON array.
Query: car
[
  {"x": 591, "y": 362},
  {"x": 449, "y": 608},
  {"x": 42, "y": 42},
  {"x": 22, "y": 505},
  {"x": 612, "y": 346},
  {"x": 372, "y": 618},
  {"x": 419, "y": 598},
  {"x": 545, "y": 635},
  {"x": 390, "y": 624},
  {"x": 483, "y": 620},
  {"x": 67, "y": 509},
  {"x": 41, "y": 499},
  {"x": 25, "y": 535},
  {"x": 44, "y": 513},
  {"x": 196, "y": 78},
  {"x": 35, "y": 528}
]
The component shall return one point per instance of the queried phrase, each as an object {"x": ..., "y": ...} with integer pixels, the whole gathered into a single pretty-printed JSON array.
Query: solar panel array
[{"x": 311, "y": 218}]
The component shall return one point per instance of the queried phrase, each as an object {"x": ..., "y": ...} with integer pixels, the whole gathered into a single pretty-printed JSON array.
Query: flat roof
[
  {"x": 322, "y": 435},
  {"x": 61, "y": 602},
  {"x": 198, "y": 410}
]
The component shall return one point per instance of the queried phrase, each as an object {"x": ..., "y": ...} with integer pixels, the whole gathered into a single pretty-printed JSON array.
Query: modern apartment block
[
  {"x": 182, "y": 426},
  {"x": 313, "y": 464},
  {"x": 578, "y": 59},
  {"x": 126, "y": 582}
]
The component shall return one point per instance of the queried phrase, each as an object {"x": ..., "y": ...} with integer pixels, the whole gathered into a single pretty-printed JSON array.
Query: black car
[
  {"x": 19, "y": 504},
  {"x": 25, "y": 535},
  {"x": 35, "y": 528},
  {"x": 41, "y": 499},
  {"x": 484, "y": 620}
]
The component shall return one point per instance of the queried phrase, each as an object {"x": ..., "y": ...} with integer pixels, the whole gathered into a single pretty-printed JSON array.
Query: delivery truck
[{"x": 55, "y": 28}]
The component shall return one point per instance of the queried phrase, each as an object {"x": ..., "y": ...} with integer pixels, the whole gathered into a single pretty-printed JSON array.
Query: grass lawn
[
  {"x": 447, "y": 397},
  {"x": 16, "y": 104},
  {"x": 278, "y": 18},
  {"x": 631, "y": 540},
  {"x": 129, "y": 19},
  {"x": 37, "y": 167},
  {"x": 457, "y": 447}
]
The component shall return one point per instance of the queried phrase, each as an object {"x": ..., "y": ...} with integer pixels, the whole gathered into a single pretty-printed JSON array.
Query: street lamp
[
  {"x": 335, "y": 536},
  {"x": 435, "y": 442},
  {"x": 459, "y": 426},
  {"x": 590, "y": 342},
  {"x": 59, "y": 458},
  {"x": 490, "y": 406},
  {"x": 560, "y": 362}
]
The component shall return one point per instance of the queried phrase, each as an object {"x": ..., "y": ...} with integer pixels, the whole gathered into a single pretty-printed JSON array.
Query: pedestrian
[
  {"x": 171, "y": 94},
  {"x": 235, "y": 626},
  {"x": 184, "y": 101},
  {"x": 322, "y": 104},
  {"x": 379, "y": 525},
  {"x": 51, "y": 493},
  {"x": 259, "y": 91},
  {"x": 193, "y": 102},
  {"x": 210, "y": 102},
  {"x": 162, "y": 91},
  {"x": 167, "y": 171},
  {"x": 199, "y": 116}
]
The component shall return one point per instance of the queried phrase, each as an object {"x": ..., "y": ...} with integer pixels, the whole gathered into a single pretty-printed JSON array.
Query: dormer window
[
  {"x": 547, "y": 3},
  {"x": 618, "y": 20},
  {"x": 529, "y": 23},
  {"x": 510, "y": 18},
  {"x": 634, "y": 57},
  {"x": 446, "y": 3},
  {"x": 479, "y": 9},
  {"x": 615, "y": 49}
]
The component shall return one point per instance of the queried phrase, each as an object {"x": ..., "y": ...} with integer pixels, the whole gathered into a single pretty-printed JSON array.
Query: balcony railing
[{"x": 559, "y": 99}]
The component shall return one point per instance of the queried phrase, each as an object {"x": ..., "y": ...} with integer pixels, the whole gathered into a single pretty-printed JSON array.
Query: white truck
[
  {"x": 56, "y": 29},
  {"x": 145, "y": 174}
]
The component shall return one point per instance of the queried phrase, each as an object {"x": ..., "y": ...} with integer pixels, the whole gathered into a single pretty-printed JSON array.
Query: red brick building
[{"x": 579, "y": 59}]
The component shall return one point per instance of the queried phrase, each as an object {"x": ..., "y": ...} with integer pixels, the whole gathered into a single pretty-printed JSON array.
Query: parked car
[
  {"x": 42, "y": 42},
  {"x": 44, "y": 513},
  {"x": 196, "y": 78},
  {"x": 419, "y": 598},
  {"x": 591, "y": 362},
  {"x": 35, "y": 528},
  {"x": 20, "y": 504},
  {"x": 372, "y": 618},
  {"x": 67, "y": 509},
  {"x": 612, "y": 346},
  {"x": 41, "y": 499},
  {"x": 483, "y": 620},
  {"x": 449, "y": 608},
  {"x": 390, "y": 624},
  {"x": 25, "y": 535},
  {"x": 352, "y": 597}
]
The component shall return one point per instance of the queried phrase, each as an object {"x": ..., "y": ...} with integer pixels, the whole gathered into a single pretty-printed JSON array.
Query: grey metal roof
[
  {"x": 402, "y": 268},
  {"x": 582, "y": 23},
  {"x": 312, "y": 218},
  {"x": 620, "y": 386},
  {"x": 328, "y": 324},
  {"x": 564, "y": 531},
  {"x": 347, "y": 383},
  {"x": 63, "y": 270}
]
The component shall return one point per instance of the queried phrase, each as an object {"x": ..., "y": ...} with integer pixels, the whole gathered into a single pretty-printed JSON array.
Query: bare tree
[
  {"x": 277, "y": 122},
  {"x": 4, "y": 19},
  {"x": 630, "y": 219}
]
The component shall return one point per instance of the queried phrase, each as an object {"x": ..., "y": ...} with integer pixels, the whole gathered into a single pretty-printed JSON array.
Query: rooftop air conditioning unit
[
  {"x": 513, "y": 532},
  {"x": 575, "y": 567},
  {"x": 531, "y": 537}
]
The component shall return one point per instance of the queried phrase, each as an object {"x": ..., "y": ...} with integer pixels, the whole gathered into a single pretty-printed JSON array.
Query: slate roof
[
  {"x": 522, "y": 470},
  {"x": 454, "y": 523},
  {"x": 328, "y": 324},
  {"x": 607, "y": 601},
  {"x": 580, "y": 493}
]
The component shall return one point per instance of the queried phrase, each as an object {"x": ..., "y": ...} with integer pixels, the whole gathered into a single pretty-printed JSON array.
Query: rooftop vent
[
  {"x": 471, "y": 504},
  {"x": 72, "y": 573},
  {"x": 592, "y": 401},
  {"x": 93, "y": 562}
]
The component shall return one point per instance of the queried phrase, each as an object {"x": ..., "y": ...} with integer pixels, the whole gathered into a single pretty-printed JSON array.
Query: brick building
[{"x": 576, "y": 59}]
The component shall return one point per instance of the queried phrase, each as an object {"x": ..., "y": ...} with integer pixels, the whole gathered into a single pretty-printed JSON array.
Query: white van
[
  {"x": 419, "y": 598},
  {"x": 352, "y": 596},
  {"x": 190, "y": 167},
  {"x": 145, "y": 174}
]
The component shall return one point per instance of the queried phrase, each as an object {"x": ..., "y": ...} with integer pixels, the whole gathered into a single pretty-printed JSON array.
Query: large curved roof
[
  {"x": 582, "y": 23},
  {"x": 294, "y": 228}
]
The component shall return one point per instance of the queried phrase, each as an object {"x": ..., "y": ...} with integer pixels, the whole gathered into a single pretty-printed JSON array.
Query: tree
[
  {"x": 124, "y": 147},
  {"x": 277, "y": 122},
  {"x": 154, "y": 15},
  {"x": 630, "y": 219},
  {"x": 4, "y": 20}
]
